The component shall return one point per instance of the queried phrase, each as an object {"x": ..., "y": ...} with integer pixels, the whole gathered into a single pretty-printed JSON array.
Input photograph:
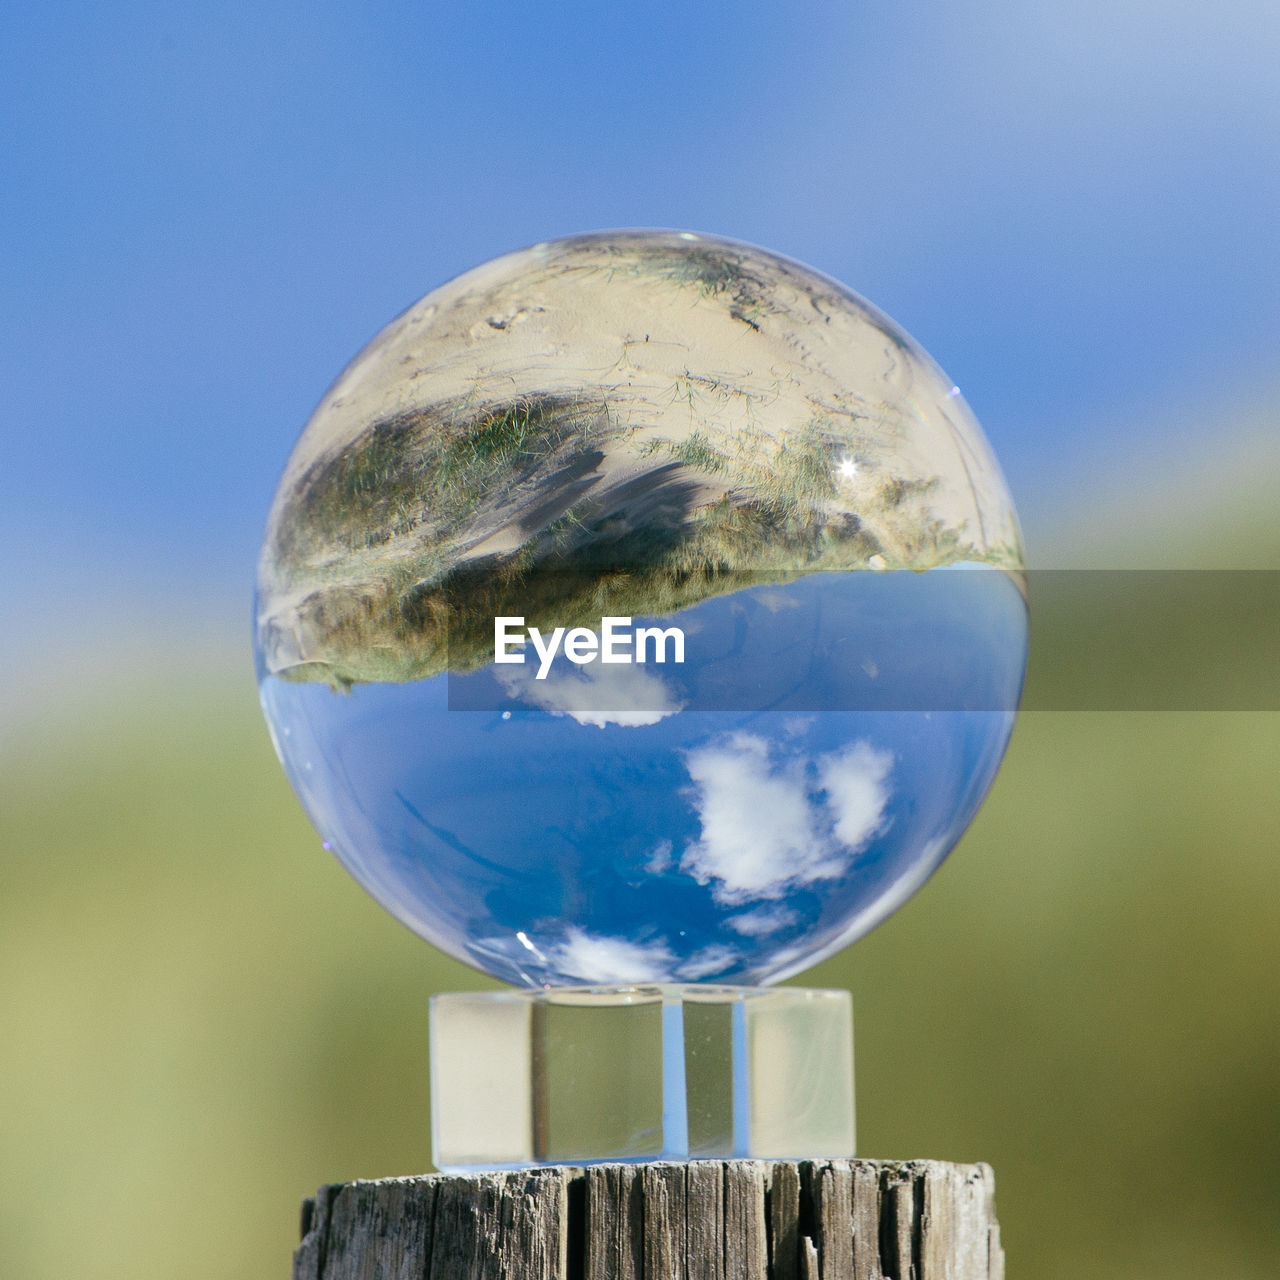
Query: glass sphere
[{"x": 607, "y": 619}]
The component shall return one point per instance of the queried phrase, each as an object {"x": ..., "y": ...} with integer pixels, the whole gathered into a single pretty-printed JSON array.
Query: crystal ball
[{"x": 641, "y": 607}]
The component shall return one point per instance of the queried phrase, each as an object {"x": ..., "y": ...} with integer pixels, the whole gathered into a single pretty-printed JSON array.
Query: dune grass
[{"x": 383, "y": 540}]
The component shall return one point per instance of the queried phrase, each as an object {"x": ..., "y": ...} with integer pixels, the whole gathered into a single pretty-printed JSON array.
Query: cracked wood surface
[{"x": 702, "y": 1220}]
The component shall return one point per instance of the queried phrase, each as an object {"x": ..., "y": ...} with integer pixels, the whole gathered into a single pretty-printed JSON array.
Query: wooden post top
[{"x": 704, "y": 1219}]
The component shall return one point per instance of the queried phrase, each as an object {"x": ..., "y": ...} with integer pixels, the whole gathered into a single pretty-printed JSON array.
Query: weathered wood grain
[
  {"x": 704, "y": 1220},
  {"x": 701, "y": 1220},
  {"x": 746, "y": 1215},
  {"x": 866, "y": 1220},
  {"x": 784, "y": 1221},
  {"x": 665, "y": 1226},
  {"x": 614, "y": 1227}
]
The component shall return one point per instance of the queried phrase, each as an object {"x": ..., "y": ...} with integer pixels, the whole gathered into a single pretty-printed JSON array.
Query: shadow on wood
[{"x": 709, "y": 1219}]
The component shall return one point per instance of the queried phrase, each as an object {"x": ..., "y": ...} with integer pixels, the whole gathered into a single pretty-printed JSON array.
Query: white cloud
[
  {"x": 767, "y": 829},
  {"x": 600, "y": 959},
  {"x": 757, "y": 828},
  {"x": 775, "y": 600},
  {"x": 705, "y": 963},
  {"x": 596, "y": 694},
  {"x": 762, "y": 920},
  {"x": 660, "y": 860},
  {"x": 855, "y": 783}
]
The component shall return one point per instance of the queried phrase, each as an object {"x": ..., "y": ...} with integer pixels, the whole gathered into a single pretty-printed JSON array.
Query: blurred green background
[{"x": 205, "y": 1018}]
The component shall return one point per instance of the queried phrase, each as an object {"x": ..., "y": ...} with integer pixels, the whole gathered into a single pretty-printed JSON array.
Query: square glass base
[{"x": 572, "y": 1075}]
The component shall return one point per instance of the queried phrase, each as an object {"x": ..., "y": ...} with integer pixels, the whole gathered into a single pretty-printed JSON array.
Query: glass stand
[{"x": 574, "y": 1075}]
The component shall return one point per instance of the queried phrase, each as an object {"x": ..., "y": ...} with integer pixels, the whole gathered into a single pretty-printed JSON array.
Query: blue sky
[{"x": 204, "y": 213}]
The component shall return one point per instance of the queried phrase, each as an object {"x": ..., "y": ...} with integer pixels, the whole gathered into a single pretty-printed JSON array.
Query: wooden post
[{"x": 704, "y": 1220}]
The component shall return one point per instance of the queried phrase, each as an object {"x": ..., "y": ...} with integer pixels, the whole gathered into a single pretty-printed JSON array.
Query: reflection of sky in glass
[{"x": 653, "y": 823}]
